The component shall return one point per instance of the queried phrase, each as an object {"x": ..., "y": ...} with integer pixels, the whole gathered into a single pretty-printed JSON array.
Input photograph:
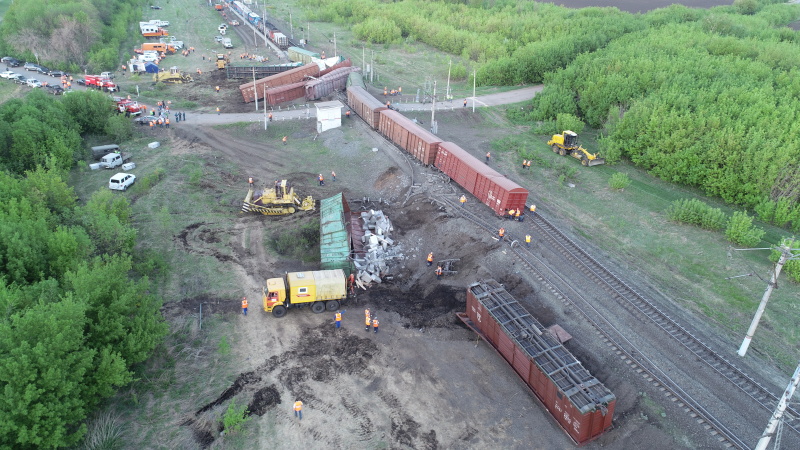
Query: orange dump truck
[{"x": 321, "y": 289}]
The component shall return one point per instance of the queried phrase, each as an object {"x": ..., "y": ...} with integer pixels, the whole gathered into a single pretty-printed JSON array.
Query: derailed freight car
[
  {"x": 365, "y": 104},
  {"x": 286, "y": 93},
  {"x": 328, "y": 83},
  {"x": 255, "y": 89},
  {"x": 409, "y": 136},
  {"x": 486, "y": 184},
  {"x": 579, "y": 402}
]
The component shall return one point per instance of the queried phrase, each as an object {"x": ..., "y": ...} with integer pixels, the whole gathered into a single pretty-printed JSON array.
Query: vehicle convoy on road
[
  {"x": 322, "y": 289},
  {"x": 567, "y": 144},
  {"x": 276, "y": 201}
]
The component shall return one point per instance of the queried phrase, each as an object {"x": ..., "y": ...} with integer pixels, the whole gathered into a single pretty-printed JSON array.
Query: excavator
[
  {"x": 566, "y": 143},
  {"x": 276, "y": 201}
]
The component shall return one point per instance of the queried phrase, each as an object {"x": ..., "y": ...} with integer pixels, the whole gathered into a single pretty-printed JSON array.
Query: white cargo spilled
[
  {"x": 121, "y": 181},
  {"x": 153, "y": 144},
  {"x": 128, "y": 166}
]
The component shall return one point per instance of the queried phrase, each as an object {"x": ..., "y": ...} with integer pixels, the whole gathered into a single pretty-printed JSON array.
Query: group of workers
[
  {"x": 393, "y": 92},
  {"x": 250, "y": 57},
  {"x": 526, "y": 163},
  {"x": 369, "y": 320}
]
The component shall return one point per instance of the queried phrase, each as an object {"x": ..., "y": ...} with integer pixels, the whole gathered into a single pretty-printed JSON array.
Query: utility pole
[
  {"x": 334, "y": 44},
  {"x": 777, "y": 416},
  {"x": 291, "y": 27},
  {"x": 372, "y": 68},
  {"x": 474, "y": 77},
  {"x": 363, "y": 60},
  {"x": 447, "y": 91},
  {"x": 786, "y": 254},
  {"x": 265, "y": 107},
  {"x": 433, "y": 109},
  {"x": 255, "y": 88}
]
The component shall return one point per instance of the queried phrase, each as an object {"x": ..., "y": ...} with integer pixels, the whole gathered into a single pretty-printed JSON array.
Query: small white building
[{"x": 329, "y": 115}]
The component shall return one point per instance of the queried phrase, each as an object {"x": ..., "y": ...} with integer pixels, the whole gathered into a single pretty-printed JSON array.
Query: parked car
[
  {"x": 21, "y": 79},
  {"x": 121, "y": 181},
  {"x": 14, "y": 77},
  {"x": 43, "y": 70},
  {"x": 58, "y": 73},
  {"x": 55, "y": 89},
  {"x": 6, "y": 58},
  {"x": 13, "y": 62},
  {"x": 148, "y": 57},
  {"x": 145, "y": 120},
  {"x": 155, "y": 7},
  {"x": 81, "y": 81},
  {"x": 31, "y": 66},
  {"x": 33, "y": 82},
  {"x": 7, "y": 74}
]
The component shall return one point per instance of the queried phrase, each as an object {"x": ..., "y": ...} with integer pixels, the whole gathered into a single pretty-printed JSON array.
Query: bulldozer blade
[{"x": 597, "y": 162}]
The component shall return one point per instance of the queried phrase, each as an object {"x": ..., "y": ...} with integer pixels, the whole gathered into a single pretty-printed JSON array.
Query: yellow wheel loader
[
  {"x": 566, "y": 143},
  {"x": 276, "y": 201}
]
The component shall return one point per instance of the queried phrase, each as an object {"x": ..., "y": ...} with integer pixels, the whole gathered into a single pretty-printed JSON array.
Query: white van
[
  {"x": 226, "y": 42},
  {"x": 121, "y": 181},
  {"x": 111, "y": 160}
]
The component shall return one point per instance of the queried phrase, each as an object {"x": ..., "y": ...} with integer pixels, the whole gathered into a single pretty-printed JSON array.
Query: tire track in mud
[{"x": 248, "y": 154}]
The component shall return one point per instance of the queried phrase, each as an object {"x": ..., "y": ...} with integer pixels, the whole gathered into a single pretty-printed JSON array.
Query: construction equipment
[
  {"x": 276, "y": 201},
  {"x": 322, "y": 289},
  {"x": 567, "y": 144},
  {"x": 222, "y": 60},
  {"x": 173, "y": 76}
]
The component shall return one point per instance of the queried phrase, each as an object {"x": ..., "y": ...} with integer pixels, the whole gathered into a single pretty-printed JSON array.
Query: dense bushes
[{"x": 695, "y": 212}]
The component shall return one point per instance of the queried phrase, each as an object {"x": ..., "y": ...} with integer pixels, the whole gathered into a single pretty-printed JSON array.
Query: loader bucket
[{"x": 596, "y": 162}]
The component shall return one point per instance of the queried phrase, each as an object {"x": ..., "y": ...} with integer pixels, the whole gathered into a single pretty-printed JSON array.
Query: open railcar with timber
[{"x": 581, "y": 405}]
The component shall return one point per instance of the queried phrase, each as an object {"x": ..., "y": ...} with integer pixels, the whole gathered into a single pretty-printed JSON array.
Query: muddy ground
[{"x": 423, "y": 381}]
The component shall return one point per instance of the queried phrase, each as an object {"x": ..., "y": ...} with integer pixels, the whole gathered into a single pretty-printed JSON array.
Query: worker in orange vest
[
  {"x": 465, "y": 103},
  {"x": 166, "y": 121},
  {"x": 333, "y": 175},
  {"x": 347, "y": 114},
  {"x": 375, "y": 324},
  {"x": 298, "y": 409},
  {"x": 488, "y": 155},
  {"x": 270, "y": 117},
  {"x": 321, "y": 180},
  {"x": 463, "y": 200},
  {"x": 284, "y": 140},
  {"x": 502, "y": 233},
  {"x": 250, "y": 180},
  {"x": 217, "y": 110},
  {"x": 527, "y": 240},
  {"x": 152, "y": 124},
  {"x": 338, "y": 319},
  {"x": 217, "y": 88},
  {"x": 244, "y": 305},
  {"x": 533, "y": 209},
  {"x": 529, "y": 164},
  {"x": 351, "y": 281},
  {"x": 367, "y": 320},
  {"x": 524, "y": 163},
  {"x": 385, "y": 91},
  {"x": 430, "y": 259},
  {"x": 438, "y": 272},
  {"x": 516, "y": 214}
]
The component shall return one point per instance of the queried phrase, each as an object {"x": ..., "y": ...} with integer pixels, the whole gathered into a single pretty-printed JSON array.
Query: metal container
[
  {"x": 365, "y": 105},
  {"x": 409, "y": 136},
  {"x": 480, "y": 180},
  {"x": 256, "y": 89},
  {"x": 286, "y": 93},
  {"x": 581, "y": 405},
  {"x": 327, "y": 84},
  {"x": 302, "y": 55}
]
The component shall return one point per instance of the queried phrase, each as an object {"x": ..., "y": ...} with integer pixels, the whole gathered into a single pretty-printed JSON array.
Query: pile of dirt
[
  {"x": 263, "y": 399},
  {"x": 435, "y": 309}
]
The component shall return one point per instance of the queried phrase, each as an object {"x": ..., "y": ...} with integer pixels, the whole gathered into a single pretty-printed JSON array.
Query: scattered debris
[{"x": 379, "y": 249}]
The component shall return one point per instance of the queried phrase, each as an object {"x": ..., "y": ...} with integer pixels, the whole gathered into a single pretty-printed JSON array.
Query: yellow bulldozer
[
  {"x": 276, "y": 201},
  {"x": 174, "y": 75},
  {"x": 566, "y": 143},
  {"x": 222, "y": 60}
]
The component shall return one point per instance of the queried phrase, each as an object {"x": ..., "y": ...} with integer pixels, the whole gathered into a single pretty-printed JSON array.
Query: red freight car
[
  {"x": 480, "y": 180},
  {"x": 409, "y": 136},
  {"x": 252, "y": 89},
  {"x": 365, "y": 105},
  {"x": 287, "y": 93},
  {"x": 580, "y": 404}
]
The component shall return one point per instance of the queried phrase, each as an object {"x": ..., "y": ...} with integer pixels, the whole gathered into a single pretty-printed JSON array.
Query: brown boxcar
[
  {"x": 580, "y": 404},
  {"x": 480, "y": 180},
  {"x": 409, "y": 136},
  {"x": 329, "y": 83},
  {"x": 365, "y": 105},
  {"x": 256, "y": 89},
  {"x": 339, "y": 65},
  {"x": 287, "y": 93}
]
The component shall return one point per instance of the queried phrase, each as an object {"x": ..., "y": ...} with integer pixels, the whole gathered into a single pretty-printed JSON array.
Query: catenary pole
[
  {"x": 255, "y": 88},
  {"x": 474, "y": 77},
  {"x": 447, "y": 90},
  {"x": 777, "y": 415}
]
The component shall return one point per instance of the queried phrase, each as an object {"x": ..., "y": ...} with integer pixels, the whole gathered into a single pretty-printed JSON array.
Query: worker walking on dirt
[
  {"x": 338, "y": 319},
  {"x": 270, "y": 117},
  {"x": 375, "y": 324},
  {"x": 217, "y": 88},
  {"x": 217, "y": 110},
  {"x": 463, "y": 200},
  {"x": 438, "y": 272},
  {"x": 244, "y": 306},
  {"x": 351, "y": 282},
  {"x": 488, "y": 155},
  {"x": 527, "y": 240},
  {"x": 250, "y": 180},
  {"x": 529, "y": 164},
  {"x": 524, "y": 163},
  {"x": 347, "y": 114},
  {"x": 321, "y": 180},
  {"x": 298, "y": 409},
  {"x": 516, "y": 214},
  {"x": 533, "y": 209},
  {"x": 502, "y": 234},
  {"x": 333, "y": 175},
  {"x": 284, "y": 140},
  {"x": 367, "y": 320},
  {"x": 430, "y": 259},
  {"x": 465, "y": 103},
  {"x": 166, "y": 121}
]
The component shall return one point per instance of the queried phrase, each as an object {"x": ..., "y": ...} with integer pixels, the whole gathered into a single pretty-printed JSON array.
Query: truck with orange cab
[{"x": 321, "y": 289}]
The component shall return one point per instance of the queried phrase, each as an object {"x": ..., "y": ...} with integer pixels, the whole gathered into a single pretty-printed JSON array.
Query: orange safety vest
[
  {"x": 167, "y": 121},
  {"x": 528, "y": 238},
  {"x": 284, "y": 139},
  {"x": 502, "y": 231},
  {"x": 463, "y": 199},
  {"x": 338, "y": 317},
  {"x": 375, "y": 323},
  {"x": 439, "y": 270},
  {"x": 533, "y": 208},
  {"x": 298, "y": 405},
  {"x": 488, "y": 154},
  {"x": 367, "y": 320},
  {"x": 529, "y": 163},
  {"x": 321, "y": 178},
  {"x": 244, "y": 303},
  {"x": 366, "y": 312},
  {"x": 152, "y": 124},
  {"x": 430, "y": 257},
  {"x": 516, "y": 214}
]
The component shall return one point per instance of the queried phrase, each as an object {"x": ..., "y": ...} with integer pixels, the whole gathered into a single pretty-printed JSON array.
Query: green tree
[{"x": 741, "y": 230}]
